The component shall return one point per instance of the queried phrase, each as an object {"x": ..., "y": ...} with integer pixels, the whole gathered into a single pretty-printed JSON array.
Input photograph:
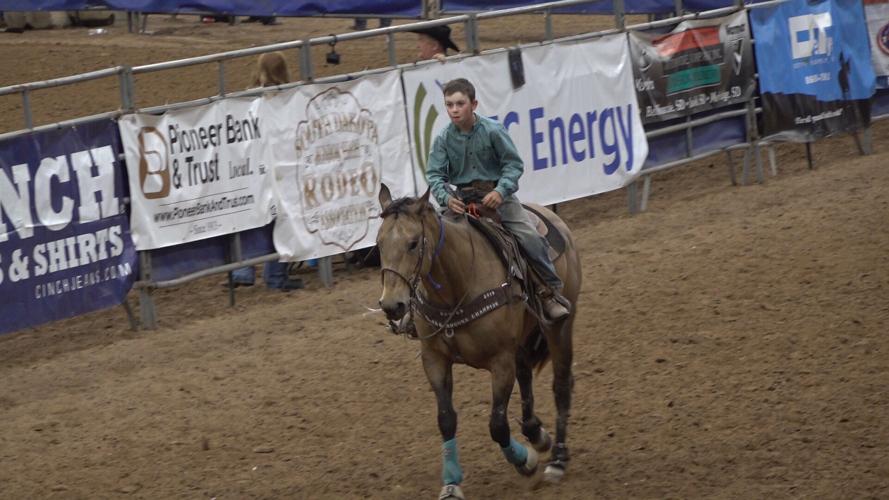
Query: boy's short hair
[{"x": 459, "y": 85}]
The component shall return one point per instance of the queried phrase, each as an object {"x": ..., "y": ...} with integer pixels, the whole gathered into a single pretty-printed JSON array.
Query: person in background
[
  {"x": 265, "y": 20},
  {"x": 434, "y": 42},
  {"x": 271, "y": 69},
  {"x": 475, "y": 149},
  {"x": 361, "y": 23}
]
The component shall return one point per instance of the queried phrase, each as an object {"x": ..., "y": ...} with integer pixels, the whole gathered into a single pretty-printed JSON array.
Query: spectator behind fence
[
  {"x": 271, "y": 69},
  {"x": 266, "y": 20},
  {"x": 434, "y": 42},
  {"x": 360, "y": 23}
]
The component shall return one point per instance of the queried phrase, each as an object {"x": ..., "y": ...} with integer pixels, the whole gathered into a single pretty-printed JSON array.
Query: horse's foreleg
[
  {"x": 440, "y": 374},
  {"x": 503, "y": 374},
  {"x": 563, "y": 383},
  {"x": 531, "y": 426}
]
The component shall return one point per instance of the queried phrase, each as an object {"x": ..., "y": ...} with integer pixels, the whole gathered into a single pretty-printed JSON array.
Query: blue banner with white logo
[
  {"x": 399, "y": 8},
  {"x": 815, "y": 72},
  {"x": 65, "y": 246}
]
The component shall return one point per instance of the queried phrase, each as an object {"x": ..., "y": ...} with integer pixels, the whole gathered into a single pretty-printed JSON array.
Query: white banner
[
  {"x": 877, "y": 12},
  {"x": 332, "y": 145},
  {"x": 194, "y": 173},
  {"x": 575, "y": 121}
]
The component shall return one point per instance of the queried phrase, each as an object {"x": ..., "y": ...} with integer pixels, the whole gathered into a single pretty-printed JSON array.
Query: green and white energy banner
[
  {"x": 700, "y": 65},
  {"x": 574, "y": 120}
]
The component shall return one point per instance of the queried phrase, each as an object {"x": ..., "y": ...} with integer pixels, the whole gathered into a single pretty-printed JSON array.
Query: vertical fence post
[
  {"x": 125, "y": 82},
  {"x": 619, "y": 16},
  {"x": 678, "y": 8},
  {"x": 235, "y": 255},
  {"x": 26, "y": 108},
  {"x": 471, "y": 28},
  {"x": 131, "y": 88},
  {"x": 752, "y": 137},
  {"x": 867, "y": 141},
  {"x": 325, "y": 271},
  {"x": 146, "y": 301},
  {"x": 390, "y": 45},
  {"x": 633, "y": 198},
  {"x": 548, "y": 22},
  {"x": 221, "y": 75},
  {"x": 305, "y": 61},
  {"x": 754, "y": 133},
  {"x": 646, "y": 192}
]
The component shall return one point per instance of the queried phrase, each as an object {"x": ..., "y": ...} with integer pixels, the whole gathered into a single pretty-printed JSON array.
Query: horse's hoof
[
  {"x": 544, "y": 442},
  {"x": 553, "y": 472},
  {"x": 530, "y": 465},
  {"x": 451, "y": 492}
]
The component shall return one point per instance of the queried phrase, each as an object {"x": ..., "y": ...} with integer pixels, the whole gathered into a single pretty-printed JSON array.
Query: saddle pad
[{"x": 549, "y": 231}]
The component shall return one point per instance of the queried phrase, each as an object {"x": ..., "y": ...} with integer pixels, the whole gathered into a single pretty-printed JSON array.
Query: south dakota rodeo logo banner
[{"x": 332, "y": 146}]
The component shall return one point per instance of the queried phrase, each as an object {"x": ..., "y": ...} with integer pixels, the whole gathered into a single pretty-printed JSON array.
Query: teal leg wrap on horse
[
  {"x": 451, "y": 473},
  {"x": 515, "y": 453}
]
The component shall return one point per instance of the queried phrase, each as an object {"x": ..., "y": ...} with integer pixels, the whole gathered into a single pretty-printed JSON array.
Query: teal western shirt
[{"x": 486, "y": 153}]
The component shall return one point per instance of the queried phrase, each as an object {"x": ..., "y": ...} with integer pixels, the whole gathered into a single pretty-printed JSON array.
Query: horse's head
[{"x": 405, "y": 246}]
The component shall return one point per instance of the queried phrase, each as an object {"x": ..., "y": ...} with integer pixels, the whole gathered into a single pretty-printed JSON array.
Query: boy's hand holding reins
[
  {"x": 492, "y": 200},
  {"x": 456, "y": 205}
]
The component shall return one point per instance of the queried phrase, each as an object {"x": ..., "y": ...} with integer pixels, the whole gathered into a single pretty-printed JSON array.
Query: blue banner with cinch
[{"x": 65, "y": 245}]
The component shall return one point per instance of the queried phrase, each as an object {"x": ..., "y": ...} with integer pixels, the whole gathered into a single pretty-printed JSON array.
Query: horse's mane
[{"x": 398, "y": 206}]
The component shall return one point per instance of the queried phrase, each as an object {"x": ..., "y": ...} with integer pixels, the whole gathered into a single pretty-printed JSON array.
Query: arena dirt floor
[{"x": 731, "y": 341}]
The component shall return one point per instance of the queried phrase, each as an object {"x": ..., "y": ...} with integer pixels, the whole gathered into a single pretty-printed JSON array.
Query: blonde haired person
[{"x": 271, "y": 69}]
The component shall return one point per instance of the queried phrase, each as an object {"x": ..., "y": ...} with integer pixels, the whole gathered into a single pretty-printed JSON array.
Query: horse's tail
[{"x": 536, "y": 349}]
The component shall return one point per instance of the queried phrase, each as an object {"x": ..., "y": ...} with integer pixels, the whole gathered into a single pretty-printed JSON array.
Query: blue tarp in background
[
  {"x": 598, "y": 7},
  {"x": 77, "y": 256},
  {"x": 296, "y": 8}
]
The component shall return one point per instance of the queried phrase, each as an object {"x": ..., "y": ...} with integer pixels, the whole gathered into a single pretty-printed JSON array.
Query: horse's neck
[{"x": 465, "y": 266}]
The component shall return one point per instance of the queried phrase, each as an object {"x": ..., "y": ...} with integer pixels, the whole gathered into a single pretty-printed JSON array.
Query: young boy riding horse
[{"x": 474, "y": 149}]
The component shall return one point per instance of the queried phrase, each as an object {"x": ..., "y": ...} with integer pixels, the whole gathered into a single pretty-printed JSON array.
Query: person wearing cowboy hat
[{"x": 434, "y": 42}]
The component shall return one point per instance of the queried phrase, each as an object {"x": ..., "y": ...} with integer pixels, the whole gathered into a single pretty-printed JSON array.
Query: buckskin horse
[{"x": 480, "y": 319}]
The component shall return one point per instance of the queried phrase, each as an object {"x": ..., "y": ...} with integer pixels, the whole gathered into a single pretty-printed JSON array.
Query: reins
[{"x": 414, "y": 282}]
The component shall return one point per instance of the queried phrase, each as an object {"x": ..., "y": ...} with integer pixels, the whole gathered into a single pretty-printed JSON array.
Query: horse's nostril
[{"x": 394, "y": 311}]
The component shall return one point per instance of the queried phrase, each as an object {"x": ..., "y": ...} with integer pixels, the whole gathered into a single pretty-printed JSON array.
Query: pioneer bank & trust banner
[
  {"x": 65, "y": 246},
  {"x": 700, "y": 65},
  {"x": 196, "y": 173},
  {"x": 332, "y": 146},
  {"x": 575, "y": 121}
]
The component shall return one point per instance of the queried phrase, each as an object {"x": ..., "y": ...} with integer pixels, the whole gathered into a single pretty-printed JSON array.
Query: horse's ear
[
  {"x": 385, "y": 196},
  {"x": 425, "y": 198}
]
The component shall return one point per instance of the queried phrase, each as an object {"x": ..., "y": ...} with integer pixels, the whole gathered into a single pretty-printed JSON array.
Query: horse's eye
[{"x": 413, "y": 245}]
